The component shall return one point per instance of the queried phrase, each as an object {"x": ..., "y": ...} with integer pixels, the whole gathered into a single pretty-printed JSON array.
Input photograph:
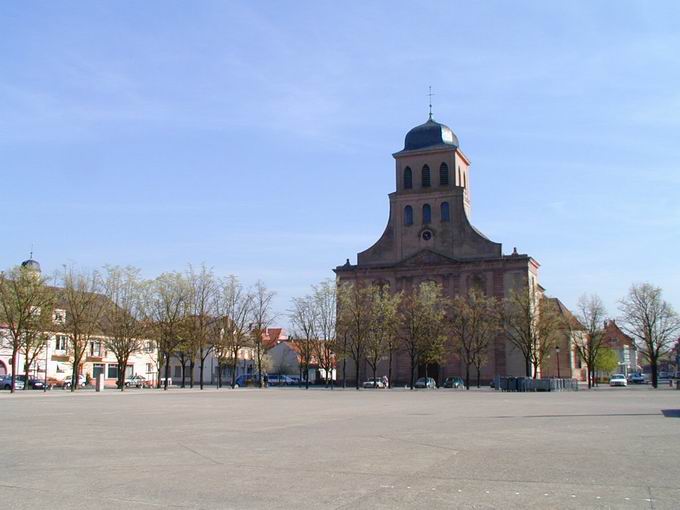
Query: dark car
[
  {"x": 638, "y": 379},
  {"x": 426, "y": 383},
  {"x": 453, "y": 382},
  {"x": 37, "y": 384},
  {"x": 244, "y": 380}
]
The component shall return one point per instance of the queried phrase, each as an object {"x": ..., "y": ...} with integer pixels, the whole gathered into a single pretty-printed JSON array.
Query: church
[{"x": 429, "y": 237}]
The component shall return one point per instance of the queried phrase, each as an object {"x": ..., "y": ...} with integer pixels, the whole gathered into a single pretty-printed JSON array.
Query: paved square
[{"x": 290, "y": 448}]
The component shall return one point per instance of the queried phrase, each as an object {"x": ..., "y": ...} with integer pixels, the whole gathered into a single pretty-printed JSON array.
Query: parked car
[
  {"x": 135, "y": 381},
  {"x": 374, "y": 383},
  {"x": 426, "y": 383},
  {"x": 280, "y": 380},
  {"x": 638, "y": 379},
  {"x": 453, "y": 382},
  {"x": 81, "y": 381},
  {"x": 6, "y": 382},
  {"x": 244, "y": 380},
  {"x": 618, "y": 380},
  {"x": 37, "y": 384}
]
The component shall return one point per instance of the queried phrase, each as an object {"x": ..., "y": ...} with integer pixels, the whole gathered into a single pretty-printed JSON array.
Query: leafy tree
[
  {"x": 607, "y": 361},
  {"x": 423, "y": 324},
  {"x": 651, "y": 320},
  {"x": 122, "y": 320},
  {"x": 384, "y": 326},
  {"x": 588, "y": 331},
  {"x": 325, "y": 348},
  {"x": 474, "y": 322},
  {"x": 354, "y": 319},
  {"x": 166, "y": 309},
  {"x": 84, "y": 304},
  {"x": 304, "y": 318},
  {"x": 234, "y": 306},
  {"x": 26, "y": 308},
  {"x": 203, "y": 289},
  {"x": 261, "y": 319},
  {"x": 533, "y": 325}
]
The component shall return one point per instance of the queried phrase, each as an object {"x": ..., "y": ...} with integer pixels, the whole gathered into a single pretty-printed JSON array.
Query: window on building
[
  {"x": 444, "y": 175},
  {"x": 59, "y": 316},
  {"x": 408, "y": 178},
  {"x": 95, "y": 348},
  {"x": 149, "y": 368},
  {"x": 427, "y": 214},
  {"x": 112, "y": 371},
  {"x": 445, "y": 212},
  {"x": 408, "y": 215},
  {"x": 425, "y": 181},
  {"x": 61, "y": 343},
  {"x": 178, "y": 371},
  {"x": 97, "y": 369}
]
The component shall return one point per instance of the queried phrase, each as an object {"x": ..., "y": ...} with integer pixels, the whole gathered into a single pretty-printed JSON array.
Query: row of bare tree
[
  {"x": 191, "y": 314},
  {"x": 374, "y": 324},
  {"x": 186, "y": 315}
]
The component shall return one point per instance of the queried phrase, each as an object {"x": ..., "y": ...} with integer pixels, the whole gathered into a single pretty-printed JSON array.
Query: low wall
[{"x": 529, "y": 384}]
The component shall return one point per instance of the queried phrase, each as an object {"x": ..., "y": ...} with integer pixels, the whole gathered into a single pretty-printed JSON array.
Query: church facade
[{"x": 430, "y": 237}]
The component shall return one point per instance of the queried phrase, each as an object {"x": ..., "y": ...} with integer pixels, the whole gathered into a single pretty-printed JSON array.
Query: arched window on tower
[
  {"x": 408, "y": 178},
  {"x": 444, "y": 175},
  {"x": 425, "y": 177},
  {"x": 446, "y": 216},
  {"x": 408, "y": 215},
  {"x": 464, "y": 180},
  {"x": 427, "y": 214},
  {"x": 460, "y": 178}
]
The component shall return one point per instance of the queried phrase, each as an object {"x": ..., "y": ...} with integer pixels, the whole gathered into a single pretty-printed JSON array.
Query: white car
[
  {"x": 81, "y": 381},
  {"x": 374, "y": 383},
  {"x": 618, "y": 380}
]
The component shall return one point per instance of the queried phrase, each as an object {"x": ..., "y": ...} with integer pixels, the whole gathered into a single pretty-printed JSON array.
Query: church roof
[
  {"x": 431, "y": 134},
  {"x": 31, "y": 264}
]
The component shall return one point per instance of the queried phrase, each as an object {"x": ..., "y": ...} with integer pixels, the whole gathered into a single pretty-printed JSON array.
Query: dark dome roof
[
  {"x": 31, "y": 264},
  {"x": 430, "y": 134}
]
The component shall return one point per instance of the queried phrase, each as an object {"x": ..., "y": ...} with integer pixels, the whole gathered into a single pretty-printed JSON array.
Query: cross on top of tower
[{"x": 430, "y": 94}]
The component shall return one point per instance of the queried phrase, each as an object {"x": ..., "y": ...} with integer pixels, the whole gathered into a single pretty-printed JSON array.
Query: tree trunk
[
  {"x": 375, "y": 370},
  {"x": 413, "y": 370},
  {"x": 478, "y": 376},
  {"x": 344, "y": 372},
  {"x": 588, "y": 372},
  {"x": 356, "y": 373},
  {"x": 467, "y": 376},
  {"x": 14, "y": 369},
  {"x": 527, "y": 361},
  {"x": 389, "y": 372},
  {"x": 167, "y": 371},
  {"x": 219, "y": 376},
  {"x": 653, "y": 361},
  {"x": 74, "y": 376},
  {"x": 201, "y": 372},
  {"x": 192, "y": 365},
  {"x": 27, "y": 367},
  {"x": 233, "y": 375},
  {"x": 184, "y": 370},
  {"x": 307, "y": 375}
]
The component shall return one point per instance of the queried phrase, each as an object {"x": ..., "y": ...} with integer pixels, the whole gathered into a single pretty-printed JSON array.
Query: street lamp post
[{"x": 557, "y": 352}]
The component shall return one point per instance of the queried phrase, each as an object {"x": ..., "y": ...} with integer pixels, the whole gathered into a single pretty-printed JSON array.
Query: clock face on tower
[{"x": 426, "y": 235}]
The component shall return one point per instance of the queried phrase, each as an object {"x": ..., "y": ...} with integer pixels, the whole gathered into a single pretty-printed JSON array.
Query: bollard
[{"x": 100, "y": 382}]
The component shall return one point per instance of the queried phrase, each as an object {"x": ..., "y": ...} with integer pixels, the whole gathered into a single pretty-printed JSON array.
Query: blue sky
[{"x": 257, "y": 136}]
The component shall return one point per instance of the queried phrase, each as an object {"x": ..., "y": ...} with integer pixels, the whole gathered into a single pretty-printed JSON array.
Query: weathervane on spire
[{"x": 430, "y": 94}]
